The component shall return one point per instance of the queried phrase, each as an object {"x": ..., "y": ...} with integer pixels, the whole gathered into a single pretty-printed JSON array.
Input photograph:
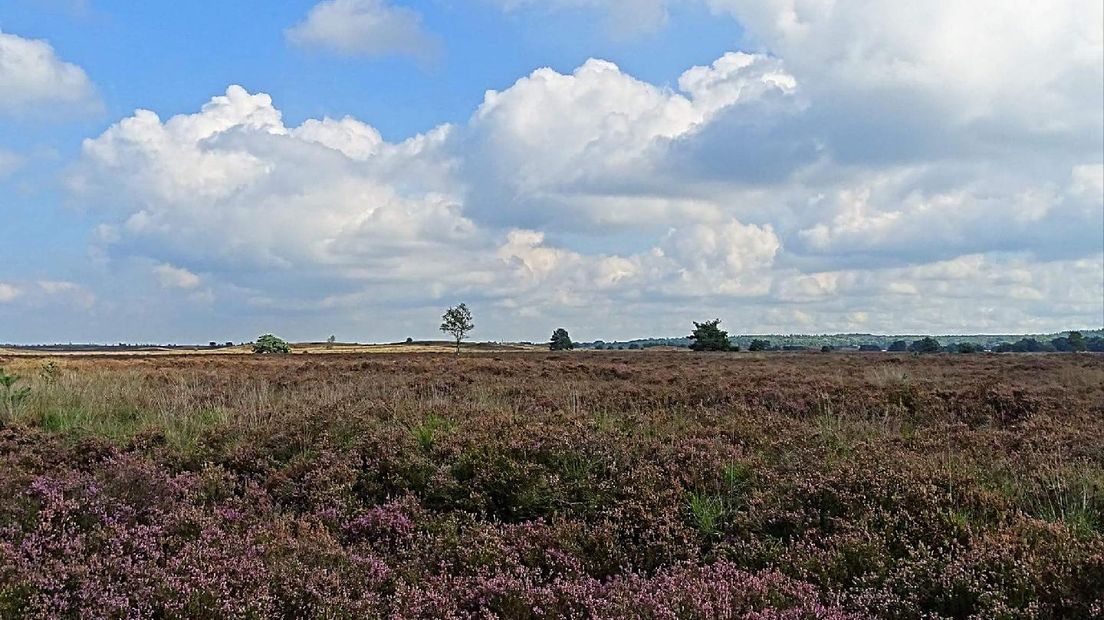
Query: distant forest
[
  {"x": 1028, "y": 343},
  {"x": 1091, "y": 340}
]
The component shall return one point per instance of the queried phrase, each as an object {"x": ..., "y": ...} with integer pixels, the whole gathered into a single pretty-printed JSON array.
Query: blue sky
[{"x": 788, "y": 167}]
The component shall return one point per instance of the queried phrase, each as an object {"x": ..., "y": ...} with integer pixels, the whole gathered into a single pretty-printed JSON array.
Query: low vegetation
[{"x": 591, "y": 485}]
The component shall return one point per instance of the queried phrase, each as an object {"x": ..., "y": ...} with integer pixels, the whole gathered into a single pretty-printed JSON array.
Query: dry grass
[{"x": 305, "y": 348}]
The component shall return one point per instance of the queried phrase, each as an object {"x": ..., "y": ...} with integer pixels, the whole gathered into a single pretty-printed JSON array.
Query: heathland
[{"x": 550, "y": 485}]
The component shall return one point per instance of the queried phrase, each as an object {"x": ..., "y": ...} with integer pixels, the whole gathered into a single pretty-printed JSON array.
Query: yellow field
[{"x": 305, "y": 348}]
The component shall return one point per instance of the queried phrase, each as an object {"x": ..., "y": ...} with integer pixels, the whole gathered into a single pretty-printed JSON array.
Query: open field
[
  {"x": 538, "y": 485},
  {"x": 303, "y": 348}
]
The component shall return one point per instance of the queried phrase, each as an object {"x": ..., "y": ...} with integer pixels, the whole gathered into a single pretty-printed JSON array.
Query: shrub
[
  {"x": 271, "y": 345},
  {"x": 50, "y": 372},
  {"x": 582, "y": 487}
]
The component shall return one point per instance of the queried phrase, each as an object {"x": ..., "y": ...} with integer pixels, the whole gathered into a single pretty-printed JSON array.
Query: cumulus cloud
[
  {"x": 966, "y": 72},
  {"x": 364, "y": 28},
  {"x": 823, "y": 183},
  {"x": 232, "y": 187},
  {"x": 590, "y": 147},
  {"x": 31, "y": 75}
]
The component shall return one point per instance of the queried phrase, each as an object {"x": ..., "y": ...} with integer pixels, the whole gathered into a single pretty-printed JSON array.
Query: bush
[
  {"x": 709, "y": 336},
  {"x": 759, "y": 345},
  {"x": 271, "y": 345}
]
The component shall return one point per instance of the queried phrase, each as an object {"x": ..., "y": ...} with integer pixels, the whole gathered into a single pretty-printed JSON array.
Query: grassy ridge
[{"x": 546, "y": 486}]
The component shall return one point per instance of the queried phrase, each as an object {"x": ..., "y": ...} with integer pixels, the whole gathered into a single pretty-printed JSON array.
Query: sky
[{"x": 186, "y": 172}]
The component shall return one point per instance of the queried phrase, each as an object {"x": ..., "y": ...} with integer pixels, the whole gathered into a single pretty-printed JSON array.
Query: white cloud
[
  {"x": 232, "y": 187},
  {"x": 67, "y": 290},
  {"x": 603, "y": 199},
  {"x": 8, "y": 293},
  {"x": 736, "y": 77},
  {"x": 32, "y": 75},
  {"x": 175, "y": 277},
  {"x": 589, "y": 148},
  {"x": 987, "y": 67},
  {"x": 364, "y": 28}
]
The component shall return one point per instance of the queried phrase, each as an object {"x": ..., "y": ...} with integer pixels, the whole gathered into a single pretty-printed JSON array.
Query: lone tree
[
  {"x": 330, "y": 341},
  {"x": 271, "y": 345},
  {"x": 457, "y": 322},
  {"x": 561, "y": 341},
  {"x": 709, "y": 336}
]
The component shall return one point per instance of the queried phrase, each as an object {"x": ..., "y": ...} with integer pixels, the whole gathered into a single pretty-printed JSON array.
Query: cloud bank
[{"x": 939, "y": 172}]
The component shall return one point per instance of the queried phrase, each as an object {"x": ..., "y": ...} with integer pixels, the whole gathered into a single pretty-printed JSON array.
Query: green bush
[
  {"x": 271, "y": 345},
  {"x": 709, "y": 336}
]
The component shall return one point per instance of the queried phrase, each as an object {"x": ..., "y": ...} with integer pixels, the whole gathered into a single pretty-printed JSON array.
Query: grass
[
  {"x": 707, "y": 513},
  {"x": 428, "y": 430},
  {"x": 1065, "y": 492}
]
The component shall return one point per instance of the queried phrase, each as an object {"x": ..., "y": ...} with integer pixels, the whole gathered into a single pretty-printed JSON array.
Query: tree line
[{"x": 458, "y": 323}]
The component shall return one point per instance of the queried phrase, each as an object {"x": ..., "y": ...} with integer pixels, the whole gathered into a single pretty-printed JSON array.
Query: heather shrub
[{"x": 589, "y": 485}]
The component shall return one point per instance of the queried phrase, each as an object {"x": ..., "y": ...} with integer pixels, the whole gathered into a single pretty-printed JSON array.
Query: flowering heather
[{"x": 641, "y": 485}]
